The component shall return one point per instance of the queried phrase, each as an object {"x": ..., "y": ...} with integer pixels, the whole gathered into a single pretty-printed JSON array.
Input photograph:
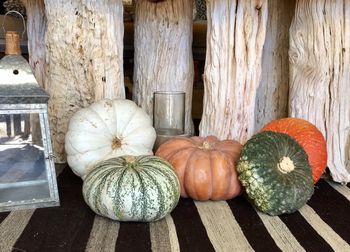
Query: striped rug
[{"x": 321, "y": 225}]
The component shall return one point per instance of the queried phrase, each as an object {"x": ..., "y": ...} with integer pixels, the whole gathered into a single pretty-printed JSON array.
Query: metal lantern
[{"x": 27, "y": 171}]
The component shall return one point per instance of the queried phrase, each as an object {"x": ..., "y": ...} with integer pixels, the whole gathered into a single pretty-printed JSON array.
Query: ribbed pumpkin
[
  {"x": 205, "y": 166},
  {"x": 106, "y": 129},
  {"x": 275, "y": 173},
  {"x": 130, "y": 188},
  {"x": 309, "y": 137}
]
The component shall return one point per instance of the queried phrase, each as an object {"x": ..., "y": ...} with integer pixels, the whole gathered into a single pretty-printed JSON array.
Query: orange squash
[
  {"x": 205, "y": 166},
  {"x": 309, "y": 137}
]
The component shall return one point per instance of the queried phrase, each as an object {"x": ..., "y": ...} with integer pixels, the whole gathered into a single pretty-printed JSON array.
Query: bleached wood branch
[
  {"x": 163, "y": 52},
  {"x": 235, "y": 39},
  {"x": 320, "y": 74}
]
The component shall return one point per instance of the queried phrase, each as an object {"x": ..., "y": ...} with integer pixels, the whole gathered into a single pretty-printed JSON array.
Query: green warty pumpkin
[
  {"x": 128, "y": 188},
  {"x": 275, "y": 172}
]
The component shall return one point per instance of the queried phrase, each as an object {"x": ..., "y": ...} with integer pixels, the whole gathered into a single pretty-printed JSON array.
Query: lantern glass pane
[{"x": 23, "y": 173}]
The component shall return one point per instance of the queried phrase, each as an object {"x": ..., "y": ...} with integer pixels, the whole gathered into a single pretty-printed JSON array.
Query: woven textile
[{"x": 321, "y": 225}]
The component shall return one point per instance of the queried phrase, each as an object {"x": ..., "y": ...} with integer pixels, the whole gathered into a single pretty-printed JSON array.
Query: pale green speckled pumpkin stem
[{"x": 130, "y": 161}]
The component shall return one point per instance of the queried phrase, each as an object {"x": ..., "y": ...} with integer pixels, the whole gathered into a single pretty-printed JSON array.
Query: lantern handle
[{"x": 24, "y": 22}]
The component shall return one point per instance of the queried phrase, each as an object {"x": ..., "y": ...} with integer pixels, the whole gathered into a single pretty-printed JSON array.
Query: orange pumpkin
[
  {"x": 205, "y": 166},
  {"x": 309, "y": 137}
]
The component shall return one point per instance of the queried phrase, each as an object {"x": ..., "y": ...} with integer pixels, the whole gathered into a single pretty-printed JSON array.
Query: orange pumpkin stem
[{"x": 206, "y": 145}]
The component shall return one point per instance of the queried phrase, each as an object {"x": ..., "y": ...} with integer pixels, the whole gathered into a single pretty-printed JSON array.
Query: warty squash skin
[
  {"x": 129, "y": 188},
  {"x": 309, "y": 137},
  {"x": 275, "y": 172},
  {"x": 106, "y": 129},
  {"x": 205, "y": 166}
]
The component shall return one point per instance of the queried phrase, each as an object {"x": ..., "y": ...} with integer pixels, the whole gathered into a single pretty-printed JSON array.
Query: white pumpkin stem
[
  {"x": 286, "y": 165},
  {"x": 116, "y": 143}
]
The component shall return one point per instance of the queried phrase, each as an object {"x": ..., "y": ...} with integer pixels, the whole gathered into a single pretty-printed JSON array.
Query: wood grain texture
[
  {"x": 84, "y": 43},
  {"x": 235, "y": 39},
  {"x": 163, "y": 52},
  {"x": 319, "y": 75},
  {"x": 272, "y": 95},
  {"x": 36, "y": 30}
]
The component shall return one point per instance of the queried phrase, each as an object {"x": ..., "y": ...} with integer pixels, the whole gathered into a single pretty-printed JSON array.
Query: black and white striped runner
[{"x": 321, "y": 225}]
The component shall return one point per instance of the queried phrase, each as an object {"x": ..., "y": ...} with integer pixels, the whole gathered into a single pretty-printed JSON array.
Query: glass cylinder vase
[{"x": 168, "y": 115}]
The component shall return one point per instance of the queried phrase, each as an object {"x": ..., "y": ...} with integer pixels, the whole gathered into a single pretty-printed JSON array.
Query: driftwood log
[
  {"x": 320, "y": 74},
  {"x": 272, "y": 95},
  {"x": 163, "y": 52},
  {"x": 84, "y": 48},
  {"x": 36, "y": 30},
  {"x": 235, "y": 39}
]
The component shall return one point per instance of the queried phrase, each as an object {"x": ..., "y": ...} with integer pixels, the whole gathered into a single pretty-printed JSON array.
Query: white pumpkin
[{"x": 106, "y": 129}]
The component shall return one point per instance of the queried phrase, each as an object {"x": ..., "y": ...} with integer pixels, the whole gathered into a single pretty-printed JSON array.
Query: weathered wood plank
[
  {"x": 235, "y": 39},
  {"x": 163, "y": 52},
  {"x": 320, "y": 73},
  {"x": 272, "y": 95},
  {"x": 84, "y": 47}
]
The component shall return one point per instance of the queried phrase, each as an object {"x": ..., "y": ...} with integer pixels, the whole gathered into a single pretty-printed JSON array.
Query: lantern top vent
[{"x": 17, "y": 82}]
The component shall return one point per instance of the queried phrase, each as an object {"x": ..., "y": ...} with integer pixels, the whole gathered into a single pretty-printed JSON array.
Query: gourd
[
  {"x": 205, "y": 166},
  {"x": 105, "y": 129},
  {"x": 275, "y": 172},
  {"x": 129, "y": 188},
  {"x": 309, "y": 137}
]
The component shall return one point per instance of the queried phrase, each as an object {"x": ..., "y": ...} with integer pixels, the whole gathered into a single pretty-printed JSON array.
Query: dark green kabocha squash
[{"x": 275, "y": 172}]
